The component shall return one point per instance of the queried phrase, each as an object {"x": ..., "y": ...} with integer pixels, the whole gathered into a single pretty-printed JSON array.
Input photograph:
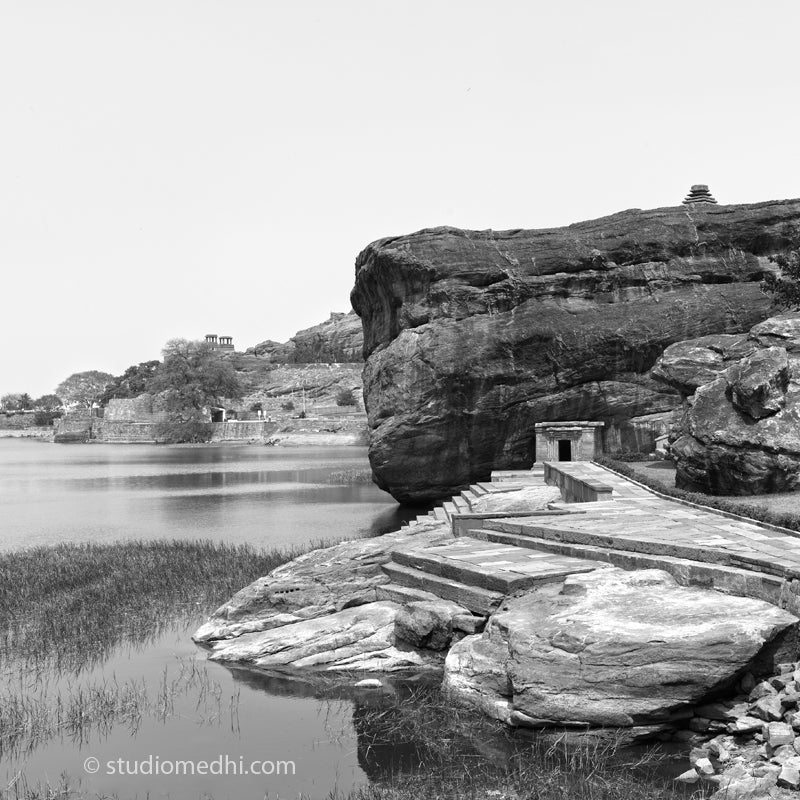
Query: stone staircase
[
  {"x": 474, "y": 571},
  {"x": 495, "y": 555}
]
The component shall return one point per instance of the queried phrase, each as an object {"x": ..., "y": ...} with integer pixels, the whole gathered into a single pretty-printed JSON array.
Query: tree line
[{"x": 191, "y": 378}]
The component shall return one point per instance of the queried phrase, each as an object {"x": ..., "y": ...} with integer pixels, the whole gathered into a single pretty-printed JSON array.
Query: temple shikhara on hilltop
[{"x": 699, "y": 194}]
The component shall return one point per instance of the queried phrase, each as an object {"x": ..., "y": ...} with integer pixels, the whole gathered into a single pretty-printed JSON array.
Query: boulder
[
  {"x": 686, "y": 366},
  {"x": 757, "y": 385},
  {"x": 427, "y": 623},
  {"x": 739, "y": 434},
  {"x": 471, "y": 337},
  {"x": 359, "y": 639},
  {"x": 315, "y": 584},
  {"x": 520, "y": 501},
  {"x": 610, "y": 647}
]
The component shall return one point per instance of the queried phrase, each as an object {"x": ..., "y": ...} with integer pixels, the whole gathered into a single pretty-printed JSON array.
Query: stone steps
[
  {"x": 506, "y": 569},
  {"x": 475, "y": 599},
  {"x": 731, "y": 580},
  {"x": 398, "y": 593},
  {"x": 643, "y": 545}
]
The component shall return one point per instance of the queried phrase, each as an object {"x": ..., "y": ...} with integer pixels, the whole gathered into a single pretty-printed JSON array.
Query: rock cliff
[
  {"x": 337, "y": 340},
  {"x": 471, "y": 337}
]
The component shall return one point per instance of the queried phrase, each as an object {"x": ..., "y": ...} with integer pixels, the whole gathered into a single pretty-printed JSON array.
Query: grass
[
  {"x": 30, "y": 716},
  {"x": 779, "y": 502},
  {"x": 69, "y": 605},
  {"x": 351, "y": 476}
]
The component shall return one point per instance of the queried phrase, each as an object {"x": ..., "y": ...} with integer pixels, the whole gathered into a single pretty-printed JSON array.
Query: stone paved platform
[
  {"x": 637, "y": 529},
  {"x": 639, "y": 515}
]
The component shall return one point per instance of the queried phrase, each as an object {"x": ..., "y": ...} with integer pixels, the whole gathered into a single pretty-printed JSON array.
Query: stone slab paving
[
  {"x": 638, "y": 515},
  {"x": 475, "y": 562}
]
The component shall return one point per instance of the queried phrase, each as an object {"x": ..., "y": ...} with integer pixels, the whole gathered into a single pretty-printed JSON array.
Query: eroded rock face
[
  {"x": 740, "y": 433},
  {"x": 471, "y": 337},
  {"x": 317, "y": 584},
  {"x": 609, "y": 648},
  {"x": 337, "y": 340}
]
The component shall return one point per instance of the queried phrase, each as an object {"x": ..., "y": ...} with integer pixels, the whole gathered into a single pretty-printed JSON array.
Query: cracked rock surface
[{"x": 609, "y": 647}]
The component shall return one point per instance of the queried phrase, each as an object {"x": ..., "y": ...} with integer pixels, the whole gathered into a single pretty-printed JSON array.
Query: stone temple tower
[{"x": 699, "y": 194}]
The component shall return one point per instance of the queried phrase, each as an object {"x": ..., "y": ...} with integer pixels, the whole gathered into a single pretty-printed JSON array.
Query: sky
[{"x": 171, "y": 168}]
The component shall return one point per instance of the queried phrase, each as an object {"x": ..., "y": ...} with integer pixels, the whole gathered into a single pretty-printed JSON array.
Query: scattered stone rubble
[{"x": 749, "y": 747}]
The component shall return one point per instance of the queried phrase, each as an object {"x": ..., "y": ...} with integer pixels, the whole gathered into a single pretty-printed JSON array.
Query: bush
[
  {"x": 184, "y": 432},
  {"x": 288, "y": 405},
  {"x": 783, "y": 519},
  {"x": 631, "y": 457},
  {"x": 346, "y": 397},
  {"x": 45, "y": 418}
]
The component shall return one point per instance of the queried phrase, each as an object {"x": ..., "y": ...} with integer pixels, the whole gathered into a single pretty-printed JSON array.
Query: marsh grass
[
  {"x": 31, "y": 716},
  {"x": 349, "y": 476},
  {"x": 67, "y": 606}
]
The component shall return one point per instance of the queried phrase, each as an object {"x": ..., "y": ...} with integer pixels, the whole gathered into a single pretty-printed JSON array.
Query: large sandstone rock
[
  {"x": 471, "y": 337},
  {"x": 338, "y": 339},
  {"x": 609, "y": 648},
  {"x": 740, "y": 433},
  {"x": 317, "y": 584}
]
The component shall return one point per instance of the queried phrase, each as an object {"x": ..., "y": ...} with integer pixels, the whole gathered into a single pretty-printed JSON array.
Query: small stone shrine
[
  {"x": 699, "y": 194},
  {"x": 568, "y": 441}
]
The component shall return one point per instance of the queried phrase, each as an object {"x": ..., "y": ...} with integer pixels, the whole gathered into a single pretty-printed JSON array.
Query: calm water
[{"x": 266, "y": 496}]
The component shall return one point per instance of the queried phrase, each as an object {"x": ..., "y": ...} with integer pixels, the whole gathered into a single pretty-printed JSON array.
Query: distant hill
[{"x": 337, "y": 340}]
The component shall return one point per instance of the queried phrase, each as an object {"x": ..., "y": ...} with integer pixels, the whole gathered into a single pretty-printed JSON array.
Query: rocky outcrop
[
  {"x": 740, "y": 433},
  {"x": 471, "y": 337},
  {"x": 337, "y": 340},
  {"x": 317, "y": 584},
  {"x": 609, "y": 648},
  {"x": 360, "y": 638}
]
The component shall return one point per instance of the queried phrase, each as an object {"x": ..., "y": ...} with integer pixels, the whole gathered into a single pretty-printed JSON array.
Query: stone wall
[
  {"x": 122, "y": 432},
  {"x": 17, "y": 421},
  {"x": 76, "y": 426},
  {"x": 242, "y": 430},
  {"x": 144, "y": 408}
]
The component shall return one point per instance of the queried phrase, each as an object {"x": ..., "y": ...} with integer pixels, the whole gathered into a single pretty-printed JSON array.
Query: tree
[
  {"x": 16, "y": 401},
  {"x": 83, "y": 388},
  {"x": 785, "y": 286},
  {"x": 346, "y": 397},
  {"x": 194, "y": 377},
  {"x": 136, "y": 380},
  {"x": 48, "y": 402}
]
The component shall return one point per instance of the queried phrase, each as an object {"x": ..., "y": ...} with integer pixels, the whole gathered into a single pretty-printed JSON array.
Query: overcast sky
[{"x": 171, "y": 168}]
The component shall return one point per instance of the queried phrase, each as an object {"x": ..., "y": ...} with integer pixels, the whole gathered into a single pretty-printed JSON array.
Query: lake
[
  {"x": 266, "y": 496},
  {"x": 154, "y": 706}
]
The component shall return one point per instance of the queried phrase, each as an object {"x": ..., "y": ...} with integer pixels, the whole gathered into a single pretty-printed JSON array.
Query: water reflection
[{"x": 259, "y": 495}]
